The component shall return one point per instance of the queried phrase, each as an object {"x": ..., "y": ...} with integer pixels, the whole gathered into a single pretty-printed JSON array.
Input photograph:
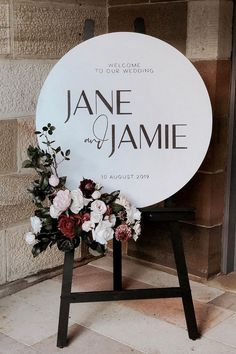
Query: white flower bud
[
  {"x": 96, "y": 195},
  {"x": 53, "y": 180},
  {"x": 30, "y": 238},
  {"x": 36, "y": 224}
]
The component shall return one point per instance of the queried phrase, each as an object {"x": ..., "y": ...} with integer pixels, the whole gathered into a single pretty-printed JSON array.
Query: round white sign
[{"x": 134, "y": 112}]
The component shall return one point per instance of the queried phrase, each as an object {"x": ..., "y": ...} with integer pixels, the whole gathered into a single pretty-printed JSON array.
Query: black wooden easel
[
  {"x": 172, "y": 217},
  {"x": 168, "y": 215}
]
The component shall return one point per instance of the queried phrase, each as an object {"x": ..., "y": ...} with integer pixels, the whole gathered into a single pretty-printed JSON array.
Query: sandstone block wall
[
  {"x": 202, "y": 30},
  {"x": 33, "y": 36}
]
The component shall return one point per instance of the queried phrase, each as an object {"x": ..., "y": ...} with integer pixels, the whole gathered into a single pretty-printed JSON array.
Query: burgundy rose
[
  {"x": 85, "y": 217},
  {"x": 67, "y": 225},
  {"x": 78, "y": 218},
  {"x": 123, "y": 232},
  {"x": 87, "y": 187},
  {"x": 81, "y": 218},
  {"x": 109, "y": 210}
]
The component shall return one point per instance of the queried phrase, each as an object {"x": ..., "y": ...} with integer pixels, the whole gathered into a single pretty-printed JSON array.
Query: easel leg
[
  {"x": 65, "y": 302},
  {"x": 181, "y": 267},
  {"x": 117, "y": 265}
]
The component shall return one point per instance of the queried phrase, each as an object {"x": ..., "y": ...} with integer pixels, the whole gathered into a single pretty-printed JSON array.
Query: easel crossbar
[{"x": 131, "y": 294}]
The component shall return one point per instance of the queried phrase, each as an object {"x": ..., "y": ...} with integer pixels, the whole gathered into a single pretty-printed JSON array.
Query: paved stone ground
[{"x": 29, "y": 318}]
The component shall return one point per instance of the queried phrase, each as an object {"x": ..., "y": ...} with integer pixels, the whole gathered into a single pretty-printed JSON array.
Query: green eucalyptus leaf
[
  {"x": 27, "y": 164},
  {"x": 117, "y": 207},
  {"x": 97, "y": 250},
  {"x": 39, "y": 247},
  {"x": 95, "y": 246},
  {"x": 109, "y": 198}
]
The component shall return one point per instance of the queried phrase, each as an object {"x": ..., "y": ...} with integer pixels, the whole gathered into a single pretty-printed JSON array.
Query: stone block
[
  {"x": 10, "y": 215},
  {"x": 4, "y": 41},
  {"x": 21, "y": 81},
  {"x": 49, "y": 30},
  {"x": 166, "y": 21},
  {"x": 8, "y": 146},
  {"x": 4, "y": 28},
  {"x": 202, "y": 247},
  {"x": 209, "y": 29},
  {"x": 205, "y": 193},
  {"x": 64, "y": 2},
  {"x": 26, "y": 137},
  {"x": 13, "y": 189},
  {"x": 90, "y": 2},
  {"x": 208, "y": 71},
  {"x": 217, "y": 76},
  {"x": 225, "y": 29},
  {"x": 15, "y": 201},
  {"x": 125, "y": 2},
  {"x": 203, "y": 29},
  {"x": 20, "y": 261},
  {"x": 216, "y": 157},
  {"x": 223, "y": 82},
  {"x": 3, "y": 266}
]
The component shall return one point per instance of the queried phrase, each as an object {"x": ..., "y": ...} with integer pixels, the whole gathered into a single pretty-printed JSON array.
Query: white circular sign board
[{"x": 134, "y": 112}]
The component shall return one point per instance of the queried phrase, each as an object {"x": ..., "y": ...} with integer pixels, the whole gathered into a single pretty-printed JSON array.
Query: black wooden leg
[
  {"x": 117, "y": 265},
  {"x": 181, "y": 267},
  {"x": 65, "y": 301}
]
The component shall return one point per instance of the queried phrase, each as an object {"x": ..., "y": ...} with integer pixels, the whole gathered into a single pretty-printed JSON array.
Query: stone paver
[
  {"x": 29, "y": 318},
  {"x": 87, "y": 342}
]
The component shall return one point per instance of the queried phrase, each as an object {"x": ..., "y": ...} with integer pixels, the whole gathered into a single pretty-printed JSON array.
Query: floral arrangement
[{"x": 65, "y": 217}]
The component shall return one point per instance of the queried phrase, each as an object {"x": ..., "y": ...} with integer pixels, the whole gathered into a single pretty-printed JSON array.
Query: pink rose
[
  {"x": 98, "y": 206},
  {"x": 54, "y": 212},
  {"x": 62, "y": 200},
  {"x": 77, "y": 201},
  {"x": 53, "y": 180},
  {"x": 123, "y": 232}
]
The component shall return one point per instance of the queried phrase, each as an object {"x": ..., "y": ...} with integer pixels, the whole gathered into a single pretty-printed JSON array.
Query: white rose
[
  {"x": 133, "y": 214},
  {"x": 95, "y": 217},
  {"x": 135, "y": 237},
  {"x": 30, "y": 238},
  {"x": 36, "y": 224},
  {"x": 53, "y": 180},
  {"x": 122, "y": 200},
  {"x": 54, "y": 212},
  {"x": 137, "y": 228},
  {"x": 103, "y": 232},
  {"x": 111, "y": 218},
  {"x": 96, "y": 195},
  {"x": 62, "y": 200},
  {"x": 99, "y": 206},
  {"x": 98, "y": 186},
  {"x": 77, "y": 201},
  {"x": 88, "y": 226}
]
